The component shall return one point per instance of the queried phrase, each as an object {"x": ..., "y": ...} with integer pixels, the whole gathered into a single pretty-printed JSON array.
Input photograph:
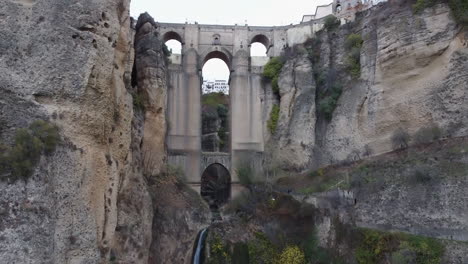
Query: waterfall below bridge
[{"x": 198, "y": 255}]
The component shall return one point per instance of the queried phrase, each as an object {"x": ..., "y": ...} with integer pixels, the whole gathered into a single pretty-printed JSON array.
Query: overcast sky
[{"x": 252, "y": 12}]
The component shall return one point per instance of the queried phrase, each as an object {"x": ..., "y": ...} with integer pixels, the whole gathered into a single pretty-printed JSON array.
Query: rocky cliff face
[
  {"x": 73, "y": 65},
  {"x": 412, "y": 77},
  {"x": 295, "y": 130},
  {"x": 72, "y": 70}
]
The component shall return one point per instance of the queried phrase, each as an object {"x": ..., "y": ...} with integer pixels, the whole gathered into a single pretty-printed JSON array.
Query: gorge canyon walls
[{"x": 107, "y": 194}]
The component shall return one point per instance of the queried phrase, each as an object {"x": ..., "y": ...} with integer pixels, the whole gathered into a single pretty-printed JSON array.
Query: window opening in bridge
[
  {"x": 338, "y": 8},
  {"x": 215, "y": 106},
  {"x": 259, "y": 45},
  {"x": 216, "y": 185},
  {"x": 257, "y": 49},
  {"x": 174, "y": 46}
]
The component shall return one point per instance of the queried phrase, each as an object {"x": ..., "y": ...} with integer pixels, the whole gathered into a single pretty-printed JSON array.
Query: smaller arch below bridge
[
  {"x": 208, "y": 158},
  {"x": 216, "y": 185}
]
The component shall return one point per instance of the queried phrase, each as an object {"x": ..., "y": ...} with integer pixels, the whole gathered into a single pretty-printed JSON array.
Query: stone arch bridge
[{"x": 247, "y": 89}]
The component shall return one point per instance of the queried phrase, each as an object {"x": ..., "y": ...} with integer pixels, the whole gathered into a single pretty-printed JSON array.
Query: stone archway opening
[
  {"x": 173, "y": 42},
  {"x": 217, "y": 55},
  {"x": 257, "y": 49},
  {"x": 216, "y": 185},
  {"x": 215, "y": 102},
  {"x": 338, "y": 8},
  {"x": 259, "y": 46}
]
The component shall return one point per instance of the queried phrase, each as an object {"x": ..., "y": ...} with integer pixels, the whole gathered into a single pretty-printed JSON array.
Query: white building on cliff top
[{"x": 345, "y": 10}]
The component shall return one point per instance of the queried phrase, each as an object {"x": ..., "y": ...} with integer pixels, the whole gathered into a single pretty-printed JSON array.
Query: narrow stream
[{"x": 198, "y": 254}]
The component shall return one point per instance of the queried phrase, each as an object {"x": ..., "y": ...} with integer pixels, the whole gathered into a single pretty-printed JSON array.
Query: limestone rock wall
[
  {"x": 88, "y": 68},
  {"x": 68, "y": 63},
  {"x": 295, "y": 135},
  {"x": 412, "y": 76}
]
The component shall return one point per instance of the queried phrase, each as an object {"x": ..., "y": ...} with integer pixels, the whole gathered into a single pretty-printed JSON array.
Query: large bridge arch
[{"x": 216, "y": 53}]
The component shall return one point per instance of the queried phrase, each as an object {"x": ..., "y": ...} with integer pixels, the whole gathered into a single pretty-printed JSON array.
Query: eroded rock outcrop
[{"x": 295, "y": 131}]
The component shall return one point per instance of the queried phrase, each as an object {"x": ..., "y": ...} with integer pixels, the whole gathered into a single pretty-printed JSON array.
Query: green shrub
[
  {"x": 25, "y": 154},
  {"x": 262, "y": 250},
  {"x": 292, "y": 255},
  {"x": 20, "y": 160},
  {"x": 400, "y": 139},
  {"x": 353, "y": 45},
  {"x": 329, "y": 102},
  {"x": 275, "y": 85},
  {"x": 421, "y": 175},
  {"x": 272, "y": 70},
  {"x": 331, "y": 23},
  {"x": 313, "y": 48},
  {"x": 219, "y": 251},
  {"x": 272, "y": 123},
  {"x": 353, "y": 41},
  {"x": 428, "y": 250},
  {"x": 326, "y": 106},
  {"x": 374, "y": 246},
  {"x": 427, "y": 134},
  {"x": 46, "y": 133},
  {"x": 459, "y": 10}
]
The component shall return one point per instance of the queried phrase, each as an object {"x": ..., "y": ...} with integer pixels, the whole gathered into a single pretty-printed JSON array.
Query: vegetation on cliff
[
  {"x": 262, "y": 250},
  {"x": 292, "y": 255},
  {"x": 272, "y": 123},
  {"x": 374, "y": 246},
  {"x": 327, "y": 80},
  {"x": 19, "y": 160},
  {"x": 422, "y": 164},
  {"x": 353, "y": 45},
  {"x": 331, "y": 23},
  {"x": 272, "y": 70},
  {"x": 296, "y": 242},
  {"x": 329, "y": 100},
  {"x": 459, "y": 8}
]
